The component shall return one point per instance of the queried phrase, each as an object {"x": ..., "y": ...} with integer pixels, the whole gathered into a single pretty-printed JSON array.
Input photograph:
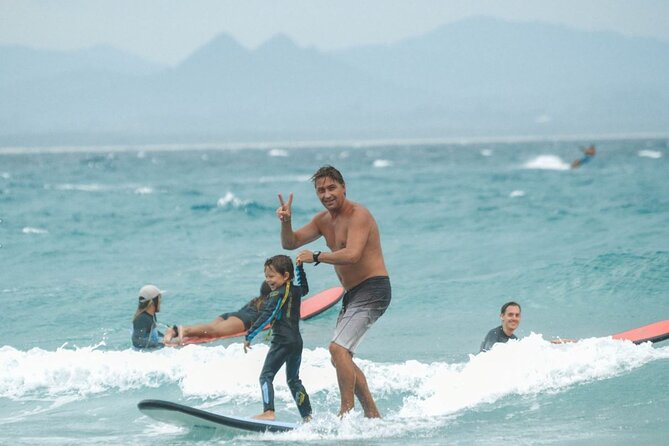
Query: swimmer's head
[{"x": 148, "y": 293}]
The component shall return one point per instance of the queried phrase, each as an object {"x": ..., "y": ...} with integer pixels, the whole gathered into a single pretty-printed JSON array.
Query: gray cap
[{"x": 149, "y": 292}]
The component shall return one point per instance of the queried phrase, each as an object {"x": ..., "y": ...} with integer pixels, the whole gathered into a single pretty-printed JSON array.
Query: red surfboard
[
  {"x": 310, "y": 307},
  {"x": 655, "y": 332}
]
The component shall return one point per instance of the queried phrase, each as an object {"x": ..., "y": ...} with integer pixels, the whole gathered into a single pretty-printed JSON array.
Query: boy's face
[{"x": 274, "y": 279}]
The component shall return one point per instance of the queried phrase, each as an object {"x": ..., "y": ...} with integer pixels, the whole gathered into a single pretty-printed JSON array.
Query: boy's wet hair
[
  {"x": 328, "y": 171},
  {"x": 282, "y": 264},
  {"x": 510, "y": 304}
]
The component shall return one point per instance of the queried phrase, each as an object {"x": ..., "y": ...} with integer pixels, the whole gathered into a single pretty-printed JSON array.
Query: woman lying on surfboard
[{"x": 226, "y": 324}]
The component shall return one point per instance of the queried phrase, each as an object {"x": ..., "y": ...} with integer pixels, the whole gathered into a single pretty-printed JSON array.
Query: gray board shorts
[{"x": 362, "y": 306}]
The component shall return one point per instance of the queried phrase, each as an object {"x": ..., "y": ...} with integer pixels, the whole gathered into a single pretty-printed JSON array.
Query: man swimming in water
[
  {"x": 510, "y": 316},
  {"x": 352, "y": 234}
]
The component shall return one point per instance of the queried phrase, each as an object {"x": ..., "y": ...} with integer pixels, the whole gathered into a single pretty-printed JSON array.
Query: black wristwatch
[{"x": 316, "y": 254}]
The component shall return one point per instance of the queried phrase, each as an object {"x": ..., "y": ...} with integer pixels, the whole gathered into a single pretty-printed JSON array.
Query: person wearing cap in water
[{"x": 145, "y": 334}]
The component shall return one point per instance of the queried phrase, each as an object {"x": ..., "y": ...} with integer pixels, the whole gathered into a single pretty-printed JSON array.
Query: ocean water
[{"x": 465, "y": 227}]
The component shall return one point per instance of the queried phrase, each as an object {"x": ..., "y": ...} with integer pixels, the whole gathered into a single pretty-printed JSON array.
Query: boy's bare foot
[{"x": 267, "y": 415}]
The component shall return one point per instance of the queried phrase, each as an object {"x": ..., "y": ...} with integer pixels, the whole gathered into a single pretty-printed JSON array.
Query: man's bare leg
[
  {"x": 343, "y": 362},
  {"x": 364, "y": 395},
  {"x": 352, "y": 382}
]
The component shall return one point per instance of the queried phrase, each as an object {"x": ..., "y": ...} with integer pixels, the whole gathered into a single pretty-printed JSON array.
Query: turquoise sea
[{"x": 465, "y": 227}]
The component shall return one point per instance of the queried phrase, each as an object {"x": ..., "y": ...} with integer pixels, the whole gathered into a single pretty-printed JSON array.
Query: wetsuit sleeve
[
  {"x": 489, "y": 341},
  {"x": 267, "y": 314},
  {"x": 301, "y": 279}
]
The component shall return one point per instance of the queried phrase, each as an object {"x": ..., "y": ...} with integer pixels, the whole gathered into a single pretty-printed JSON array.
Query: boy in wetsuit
[{"x": 282, "y": 311}]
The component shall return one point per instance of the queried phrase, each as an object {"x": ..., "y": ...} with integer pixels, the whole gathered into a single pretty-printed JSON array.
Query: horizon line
[{"x": 298, "y": 144}]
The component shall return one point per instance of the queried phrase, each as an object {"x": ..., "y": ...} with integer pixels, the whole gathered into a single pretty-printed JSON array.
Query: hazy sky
[{"x": 169, "y": 30}]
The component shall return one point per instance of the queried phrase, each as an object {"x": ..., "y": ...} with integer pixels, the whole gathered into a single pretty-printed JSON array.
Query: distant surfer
[
  {"x": 352, "y": 234},
  {"x": 224, "y": 325},
  {"x": 281, "y": 311},
  {"x": 510, "y": 317},
  {"x": 588, "y": 154},
  {"x": 145, "y": 334}
]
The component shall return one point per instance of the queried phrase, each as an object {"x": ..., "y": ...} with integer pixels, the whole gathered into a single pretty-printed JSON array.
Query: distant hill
[{"x": 478, "y": 77}]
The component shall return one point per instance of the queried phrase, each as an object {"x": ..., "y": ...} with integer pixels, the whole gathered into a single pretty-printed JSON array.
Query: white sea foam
[
  {"x": 230, "y": 200},
  {"x": 382, "y": 163},
  {"x": 547, "y": 162},
  {"x": 486, "y": 152},
  {"x": 93, "y": 187},
  {"x": 31, "y": 230},
  {"x": 517, "y": 193},
  {"x": 278, "y": 152},
  {"x": 536, "y": 367},
  {"x": 5, "y": 175},
  {"x": 655, "y": 154},
  {"x": 428, "y": 395},
  {"x": 143, "y": 190},
  {"x": 226, "y": 374}
]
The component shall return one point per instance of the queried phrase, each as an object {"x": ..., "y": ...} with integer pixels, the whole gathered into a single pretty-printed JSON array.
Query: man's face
[
  {"x": 331, "y": 193},
  {"x": 510, "y": 318}
]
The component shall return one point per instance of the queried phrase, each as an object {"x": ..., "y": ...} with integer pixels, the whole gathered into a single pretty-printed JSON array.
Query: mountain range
[{"x": 477, "y": 77}]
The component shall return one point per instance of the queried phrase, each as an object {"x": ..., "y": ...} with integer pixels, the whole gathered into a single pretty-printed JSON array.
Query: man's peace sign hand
[{"x": 283, "y": 211}]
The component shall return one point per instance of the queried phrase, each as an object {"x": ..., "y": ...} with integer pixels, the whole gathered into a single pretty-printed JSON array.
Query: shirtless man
[{"x": 352, "y": 235}]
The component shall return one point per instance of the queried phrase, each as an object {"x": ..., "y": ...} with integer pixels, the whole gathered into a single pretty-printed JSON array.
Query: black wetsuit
[
  {"x": 145, "y": 334},
  {"x": 248, "y": 314},
  {"x": 494, "y": 336},
  {"x": 286, "y": 345}
]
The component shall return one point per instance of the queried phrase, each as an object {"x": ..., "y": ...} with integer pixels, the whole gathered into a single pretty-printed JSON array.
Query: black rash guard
[{"x": 494, "y": 336}]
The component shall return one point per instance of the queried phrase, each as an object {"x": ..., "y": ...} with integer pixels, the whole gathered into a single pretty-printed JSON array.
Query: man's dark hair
[
  {"x": 328, "y": 172},
  {"x": 510, "y": 304},
  {"x": 281, "y": 264}
]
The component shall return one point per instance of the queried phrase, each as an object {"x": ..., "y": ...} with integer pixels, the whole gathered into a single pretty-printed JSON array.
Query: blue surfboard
[{"x": 186, "y": 416}]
